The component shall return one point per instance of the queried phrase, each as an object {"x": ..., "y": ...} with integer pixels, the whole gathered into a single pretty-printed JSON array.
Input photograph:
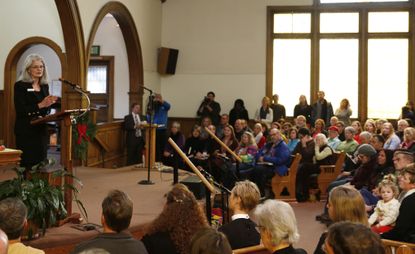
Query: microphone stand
[
  {"x": 150, "y": 112},
  {"x": 78, "y": 89}
]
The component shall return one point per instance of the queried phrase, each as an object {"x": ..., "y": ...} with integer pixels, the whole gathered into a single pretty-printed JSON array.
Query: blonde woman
[
  {"x": 408, "y": 139},
  {"x": 370, "y": 126},
  {"x": 344, "y": 112},
  {"x": 392, "y": 141}
]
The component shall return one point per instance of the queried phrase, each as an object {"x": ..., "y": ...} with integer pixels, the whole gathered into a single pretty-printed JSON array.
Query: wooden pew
[
  {"x": 278, "y": 183},
  {"x": 329, "y": 173},
  {"x": 257, "y": 249},
  {"x": 398, "y": 247}
]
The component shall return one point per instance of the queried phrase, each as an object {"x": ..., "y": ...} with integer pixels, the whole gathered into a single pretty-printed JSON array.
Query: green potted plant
[{"x": 44, "y": 201}]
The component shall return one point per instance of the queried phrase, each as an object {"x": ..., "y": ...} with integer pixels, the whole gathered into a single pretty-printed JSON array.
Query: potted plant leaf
[{"x": 44, "y": 201}]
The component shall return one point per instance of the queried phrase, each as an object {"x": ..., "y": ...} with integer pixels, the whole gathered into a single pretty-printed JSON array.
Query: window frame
[{"x": 363, "y": 36}]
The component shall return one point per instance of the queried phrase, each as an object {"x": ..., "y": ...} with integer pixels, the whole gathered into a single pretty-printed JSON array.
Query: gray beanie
[{"x": 367, "y": 150}]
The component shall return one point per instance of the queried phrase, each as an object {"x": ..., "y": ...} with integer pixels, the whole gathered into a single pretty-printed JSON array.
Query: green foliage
[{"x": 45, "y": 203}]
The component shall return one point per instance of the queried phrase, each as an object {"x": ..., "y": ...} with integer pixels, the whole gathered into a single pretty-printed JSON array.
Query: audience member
[
  {"x": 348, "y": 237},
  {"x": 277, "y": 226},
  {"x": 384, "y": 164},
  {"x": 306, "y": 147},
  {"x": 194, "y": 144},
  {"x": 169, "y": 153},
  {"x": 259, "y": 135},
  {"x": 265, "y": 114},
  {"x": 392, "y": 141},
  {"x": 333, "y": 140},
  {"x": 3, "y": 242},
  {"x": 349, "y": 145},
  {"x": 340, "y": 125},
  {"x": 239, "y": 129},
  {"x": 238, "y": 112},
  {"x": 210, "y": 108},
  {"x": 344, "y": 112},
  {"x": 206, "y": 121},
  {"x": 365, "y": 137},
  {"x": 272, "y": 158},
  {"x": 117, "y": 210},
  {"x": 300, "y": 122},
  {"x": 377, "y": 141},
  {"x": 241, "y": 230},
  {"x": 319, "y": 127},
  {"x": 404, "y": 229},
  {"x": 387, "y": 209},
  {"x": 303, "y": 109},
  {"x": 322, "y": 109},
  {"x": 286, "y": 127},
  {"x": 402, "y": 158},
  {"x": 277, "y": 109},
  {"x": 173, "y": 229},
  {"x": 357, "y": 130},
  {"x": 379, "y": 125},
  {"x": 159, "y": 113},
  {"x": 134, "y": 135},
  {"x": 408, "y": 111},
  {"x": 209, "y": 241},
  {"x": 344, "y": 204},
  {"x": 13, "y": 214},
  {"x": 402, "y": 125},
  {"x": 293, "y": 139},
  {"x": 370, "y": 126},
  {"x": 333, "y": 121},
  {"x": 224, "y": 120},
  {"x": 409, "y": 139}
]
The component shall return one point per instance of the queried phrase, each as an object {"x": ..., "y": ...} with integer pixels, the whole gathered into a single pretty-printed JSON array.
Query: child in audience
[{"x": 387, "y": 209}]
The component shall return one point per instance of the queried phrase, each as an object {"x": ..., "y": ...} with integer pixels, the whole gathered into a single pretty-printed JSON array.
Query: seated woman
[
  {"x": 319, "y": 127},
  {"x": 357, "y": 126},
  {"x": 168, "y": 153},
  {"x": 277, "y": 226},
  {"x": 344, "y": 204},
  {"x": 292, "y": 139},
  {"x": 194, "y": 147},
  {"x": 370, "y": 126},
  {"x": 349, "y": 237},
  {"x": 392, "y": 141},
  {"x": 408, "y": 139},
  {"x": 241, "y": 230},
  {"x": 264, "y": 114},
  {"x": 221, "y": 159},
  {"x": 259, "y": 135},
  {"x": 173, "y": 229}
]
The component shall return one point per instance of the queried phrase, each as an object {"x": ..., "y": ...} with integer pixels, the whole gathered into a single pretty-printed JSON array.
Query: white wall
[
  {"x": 222, "y": 47},
  {"x": 21, "y": 19},
  {"x": 111, "y": 41}
]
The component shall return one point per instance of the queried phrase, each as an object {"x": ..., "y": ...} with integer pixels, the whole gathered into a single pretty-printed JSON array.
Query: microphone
[{"x": 74, "y": 86}]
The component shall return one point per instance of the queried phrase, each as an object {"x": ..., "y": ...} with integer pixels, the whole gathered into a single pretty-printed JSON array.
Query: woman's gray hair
[
  {"x": 323, "y": 138},
  {"x": 278, "y": 218},
  {"x": 25, "y": 75},
  {"x": 350, "y": 129}
]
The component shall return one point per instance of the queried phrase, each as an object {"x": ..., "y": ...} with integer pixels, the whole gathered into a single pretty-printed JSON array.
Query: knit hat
[{"x": 366, "y": 150}]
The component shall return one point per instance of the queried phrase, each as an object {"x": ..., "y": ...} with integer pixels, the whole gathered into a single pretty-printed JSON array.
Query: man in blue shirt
[{"x": 160, "y": 109}]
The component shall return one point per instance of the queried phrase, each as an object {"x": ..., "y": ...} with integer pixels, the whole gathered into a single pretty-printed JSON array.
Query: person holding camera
[
  {"x": 209, "y": 107},
  {"x": 159, "y": 109}
]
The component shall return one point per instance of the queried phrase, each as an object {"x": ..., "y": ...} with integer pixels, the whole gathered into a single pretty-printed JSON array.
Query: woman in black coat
[
  {"x": 31, "y": 101},
  {"x": 238, "y": 112}
]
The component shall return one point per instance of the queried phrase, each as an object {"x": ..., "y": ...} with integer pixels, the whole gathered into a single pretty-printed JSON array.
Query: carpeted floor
[{"x": 148, "y": 202}]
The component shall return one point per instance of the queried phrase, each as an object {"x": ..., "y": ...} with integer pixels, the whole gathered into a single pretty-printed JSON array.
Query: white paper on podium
[{"x": 55, "y": 88}]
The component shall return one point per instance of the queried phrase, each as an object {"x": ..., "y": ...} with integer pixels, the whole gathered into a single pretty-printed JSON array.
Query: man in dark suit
[
  {"x": 404, "y": 229},
  {"x": 134, "y": 135}
]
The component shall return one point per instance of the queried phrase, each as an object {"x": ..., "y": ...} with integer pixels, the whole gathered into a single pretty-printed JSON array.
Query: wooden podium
[
  {"x": 10, "y": 156},
  {"x": 150, "y": 135},
  {"x": 65, "y": 117}
]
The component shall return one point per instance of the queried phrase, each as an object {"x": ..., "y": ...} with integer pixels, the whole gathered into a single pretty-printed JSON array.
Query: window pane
[
  {"x": 97, "y": 79},
  {"x": 388, "y": 22},
  {"x": 291, "y": 71},
  {"x": 387, "y": 77},
  {"x": 339, "y": 22},
  {"x": 339, "y": 71},
  {"x": 359, "y": 1},
  {"x": 292, "y": 23}
]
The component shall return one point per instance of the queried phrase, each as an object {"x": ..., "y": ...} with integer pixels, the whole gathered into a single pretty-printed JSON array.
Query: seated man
[
  {"x": 272, "y": 158},
  {"x": 241, "y": 230},
  {"x": 404, "y": 229},
  {"x": 117, "y": 209},
  {"x": 13, "y": 214}
]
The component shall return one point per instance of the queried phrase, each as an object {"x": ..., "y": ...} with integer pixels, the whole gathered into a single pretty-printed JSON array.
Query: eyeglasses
[{"x": 37, "y": 67}]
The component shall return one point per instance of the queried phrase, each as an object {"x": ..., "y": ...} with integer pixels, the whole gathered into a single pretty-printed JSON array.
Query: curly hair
[{"x": 181, "y": 218}]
